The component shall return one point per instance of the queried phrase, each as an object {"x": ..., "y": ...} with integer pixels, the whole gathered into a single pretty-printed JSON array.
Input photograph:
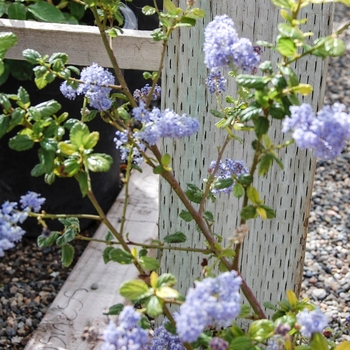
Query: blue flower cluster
[
  {"x": 11, "y": 216},
  {"x": 95, "y": 86},
  {"x": 218, "y": 344},
  {"x": 325, "y": 134},
  {"x": 163, "y": 340},
  {"x": 223, "y": 47},
  {"x": 142, "y": 95},
  {"x": 216, "y": 82},
  {"x": 227, "y": 170},
  {"x": 213, "y": 301},
  {"x": 121, "y": 142},
  {"x": 157, "y": 124},
  {"x": 311, "y": 322},
  {"x": 127, "y": 334}
]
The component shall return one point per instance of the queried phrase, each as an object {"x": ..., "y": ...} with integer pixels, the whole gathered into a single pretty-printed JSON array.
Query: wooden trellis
[{"x": 273, "y": 252}]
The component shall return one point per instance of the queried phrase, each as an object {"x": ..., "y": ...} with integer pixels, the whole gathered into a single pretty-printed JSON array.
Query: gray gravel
[
  {"x": 326, "y": 270},
  {"x": 30, "y": 278}
]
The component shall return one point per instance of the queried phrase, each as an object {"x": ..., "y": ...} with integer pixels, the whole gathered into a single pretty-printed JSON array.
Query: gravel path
[
  {"x": 326, "y": 269},
  {"x": 31, "y": 278}
]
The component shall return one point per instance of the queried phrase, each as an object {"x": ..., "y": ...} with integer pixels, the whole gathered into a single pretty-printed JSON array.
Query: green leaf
[
  {"x": 59, "y": 56},
  {"x": 261, "y": 126},
  {"x": 277, "y": 111},
  {"x": 334, "y": 46},
  {"x": 148, "y": 10},
  {"x": 47, "y": 241},
  {"x": 115, "y": 310},
  {"x": 253, "y": 194},
  {"x": 222, "y": 183},
  {"x": 31, "y": 56},
  {"x": 241, "y": 343},
  {"x": 291, "y": 32},
  {"x": 194, "y": 193},
  {"x": 45, "y": 12},
  {"x": 303, "y": 89},
  {"x": 261, "y": 330},
  {"x": 165, "y": 160},
  {"x": 4, "y": 124},
  {"x": 245, "y": 311},
  {"x": 83, "y": 181},
  {"x": 120, "y": 256},
  {"x": 208, "y": 215},
  {"x": 77, "y": 10},
  {"x": 177, "y": 237},
  {"x": 196, "y": 13},
  {"x": 149, "y": 263},
  {"x": 169, "y": 6},
  {"x": 134, "y": 289},
  {"x": 105, "y": 254},
  {"x": 285, "y": 4},
  {"x": 21, "y": 143},
  {"x": 99, "y": 162},
  {"x": 154, "y": 306},
  {"x": 186, "y": 216},
  {"x": 270, "y": 213},
  {"x": 252, "y": 81},
  {"x": 48, "y": 108},
  {"x": 78, "y": 134},
  {"x": 249, "y": 113},
  {"x": 217, "y": 114},
  {"x": 67, "y": 255},
  {"x": 71, "y": 167},
  {"x": 7, "y": 40},
  {"x": 265, "y": 164},
  {"x": 238, "y": 190},
  {"x": 23, "y": 96},
  {"x": 16, "y": 11},
  {"x": 269, "y": 305},
  {"x": 68, "y": 236},
  {"x": 318, "y": 342},
  {"x": 245, "y": 179},
  {"x": 286, "y": 46},
  {"x": 166, "y": 279},
  {"x": 248, "y": 212}
]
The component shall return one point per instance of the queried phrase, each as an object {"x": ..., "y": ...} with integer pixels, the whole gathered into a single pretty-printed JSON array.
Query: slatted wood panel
[
  {"x": 273, "y": 253},
  {"x": 135, "y": 49},
  {"x": 78, "y": 305}
]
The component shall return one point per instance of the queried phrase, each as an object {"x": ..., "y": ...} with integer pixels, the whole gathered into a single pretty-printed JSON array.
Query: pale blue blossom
[
  {"x": 325, "y": 133},
  {"x": 142, "y": 95},
  {"x": 32, "y": 200},
  {"x": 311, "y": 322},
  {"x": 127, "y": 333},
  {"x": 223, "y": 47},
  {"x": 216, "y": 82},
  {"x": 163, "y": 340},
  {"x": 213, "y": 301}
]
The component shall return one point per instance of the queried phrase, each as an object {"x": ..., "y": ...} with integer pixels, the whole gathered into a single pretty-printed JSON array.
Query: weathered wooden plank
[
  {"x": 273, "y": 252},
  {"x": 78, "y": 305},
  {"x": 135, "y": 49}
]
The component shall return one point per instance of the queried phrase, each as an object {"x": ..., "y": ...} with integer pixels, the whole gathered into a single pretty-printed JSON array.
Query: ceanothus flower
[
  {"x": 213, "y": 301},
  {"x": 127, "y": 334},
  {"x": 311, "y": 322},
  {"x": 325, "y": 133},
  {"x": 11, "y": 217},
  {"x": 121, "y": 143},
  {"x": 95, "y": 86},
  {"x": 218, "y": 344},
  {"x": 223, "y": 47},
  {"x": 165, "y": 124},
  {"x": 163, "y": 340},
  {"x": 142, "y": 95},
  {"x": 226, "y": 170},
  {"x": 216, "y": 82},
  {"x": 32, "y": 200}
]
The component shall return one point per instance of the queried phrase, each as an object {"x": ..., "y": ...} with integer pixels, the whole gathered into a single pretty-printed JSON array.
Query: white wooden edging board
[
  {"x": 134, "y": 49},
  {"x": 78, "y": 305}
]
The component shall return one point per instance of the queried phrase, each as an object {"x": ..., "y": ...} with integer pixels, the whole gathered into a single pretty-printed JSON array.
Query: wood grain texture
[
  {"x": 135, "y": 49},
  {"x": 78, "y": 305},
  {"x": 273, "y": 252}
]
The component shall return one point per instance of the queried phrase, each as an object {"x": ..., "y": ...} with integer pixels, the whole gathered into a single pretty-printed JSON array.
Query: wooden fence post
[{"x": 273, "y": 252}]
